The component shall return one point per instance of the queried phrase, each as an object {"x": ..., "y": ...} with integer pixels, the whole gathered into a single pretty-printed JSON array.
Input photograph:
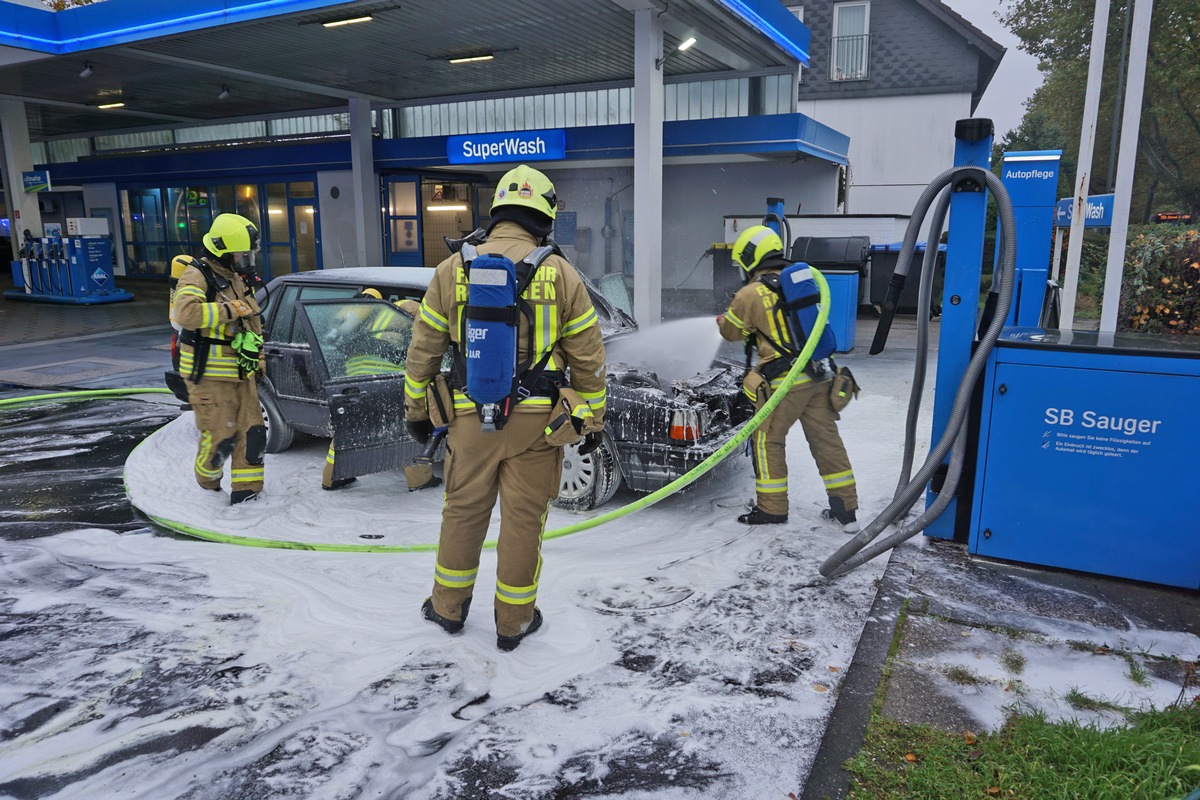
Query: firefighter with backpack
[
  {"x": 762, "y": 316},
  {"x": 516, "y": 316},
  {"x": 220, "y": 355}
]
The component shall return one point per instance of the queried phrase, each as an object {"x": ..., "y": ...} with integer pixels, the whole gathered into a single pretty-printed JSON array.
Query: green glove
[{"x": 248, "y": 346}]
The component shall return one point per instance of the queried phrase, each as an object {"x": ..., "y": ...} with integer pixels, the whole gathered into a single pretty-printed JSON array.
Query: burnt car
[{"x": 654, "y": 432}]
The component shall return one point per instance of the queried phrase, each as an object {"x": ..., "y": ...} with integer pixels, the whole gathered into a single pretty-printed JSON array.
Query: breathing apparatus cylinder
[
  {"x": 179, "y": 265},
  {"x": 800, "y": 298},
  {"x": 491, "y": 326}
]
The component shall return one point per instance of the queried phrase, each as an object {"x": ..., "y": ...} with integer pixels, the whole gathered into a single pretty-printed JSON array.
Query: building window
[
  {"x": 798, "y": 11},
  {"x": 851, "y": 42}
]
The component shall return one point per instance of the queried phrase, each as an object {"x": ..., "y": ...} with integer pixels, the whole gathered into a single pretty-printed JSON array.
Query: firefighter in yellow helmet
[
  {"x": 753, "y": 316},
  {"x": 519, "y": 460},
  {"x": 367, "y": 336},
  {"x": 220, "y": 354}
]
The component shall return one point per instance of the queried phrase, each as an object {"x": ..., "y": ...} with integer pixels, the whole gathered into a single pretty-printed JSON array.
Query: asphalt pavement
[{"x": 935, "y": 604}]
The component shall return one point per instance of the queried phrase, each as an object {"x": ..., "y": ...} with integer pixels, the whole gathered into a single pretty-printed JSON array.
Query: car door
[
  {"x": 358, "y": 349},
  {"x": 290, "y": 369}
]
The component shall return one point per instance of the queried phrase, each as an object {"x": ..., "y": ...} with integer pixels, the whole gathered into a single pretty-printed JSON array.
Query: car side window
[
  {"x": 283, "y": 315},
  {"x": 362, "y": 338},
  {"x": 284, "y": 326}
]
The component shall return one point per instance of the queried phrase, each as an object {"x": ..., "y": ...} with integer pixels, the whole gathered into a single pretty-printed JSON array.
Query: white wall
[
  {"x": 897, "y": 145},
  {"x": 338, "y": 218},
  {"x": 696, "y": 199}
]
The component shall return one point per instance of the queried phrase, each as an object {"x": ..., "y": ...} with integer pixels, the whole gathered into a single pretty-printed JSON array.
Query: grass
[
  {"x": 1155, "y": 755},
  {"x": 1082, "y": 702},
  {"x": 1151, "y": 758},
  {"x": 1137, "y": 673},
  {"x": 1012, "y": 661}
]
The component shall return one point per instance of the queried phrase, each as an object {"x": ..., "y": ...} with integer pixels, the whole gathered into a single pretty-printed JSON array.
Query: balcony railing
[{"x": 849, "y": 60}]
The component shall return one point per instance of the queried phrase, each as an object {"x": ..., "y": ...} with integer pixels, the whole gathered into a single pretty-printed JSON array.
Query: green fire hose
[{"x": 688, "y": 478}]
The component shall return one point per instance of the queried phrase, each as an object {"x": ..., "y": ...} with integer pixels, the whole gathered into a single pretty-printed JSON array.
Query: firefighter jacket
[
  {"x": 753, "y": 312},
  {"x": 204, "y": 314},
  {"x": 565, "y": 324}
]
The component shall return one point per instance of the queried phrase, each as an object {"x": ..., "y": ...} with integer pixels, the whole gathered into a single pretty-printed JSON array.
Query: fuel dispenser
[
  {"x": 74, "y": 269},
  {"x": 1056, "y": 448}
]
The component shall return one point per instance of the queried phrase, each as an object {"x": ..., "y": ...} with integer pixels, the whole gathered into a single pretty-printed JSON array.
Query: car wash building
[
  {"x": 655, "y": 120},
  {"x": 421, "y": 132}
]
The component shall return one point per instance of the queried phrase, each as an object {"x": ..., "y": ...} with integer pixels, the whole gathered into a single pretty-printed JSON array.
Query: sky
[
  {"x": 1016, "y": 78},
  {"x": 684, "y": 656}
]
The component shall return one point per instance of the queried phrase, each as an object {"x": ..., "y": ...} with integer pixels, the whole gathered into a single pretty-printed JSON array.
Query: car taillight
[{"x": 686, "y": 425}]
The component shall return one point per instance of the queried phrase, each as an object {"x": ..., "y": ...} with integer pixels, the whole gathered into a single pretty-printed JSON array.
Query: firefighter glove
[
  {"x": 240, "y": 308},
  {"x": 589, "y": 443},
  {"x": 419, "y": 429},
  {"x": 248, "y": 347}
]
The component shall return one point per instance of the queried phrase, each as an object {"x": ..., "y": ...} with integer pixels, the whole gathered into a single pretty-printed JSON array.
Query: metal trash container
[
  {"x": 883, "y": 263},
  {"x": 843, "y": 262}
]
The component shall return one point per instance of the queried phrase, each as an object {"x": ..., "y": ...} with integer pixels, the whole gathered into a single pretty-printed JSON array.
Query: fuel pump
[
  {"x": 25, "y": 254},
  {"x": 59, "y": 279}
]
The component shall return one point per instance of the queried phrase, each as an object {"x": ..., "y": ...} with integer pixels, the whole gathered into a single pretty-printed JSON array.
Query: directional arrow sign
[{"x": 1098, "y": 214}]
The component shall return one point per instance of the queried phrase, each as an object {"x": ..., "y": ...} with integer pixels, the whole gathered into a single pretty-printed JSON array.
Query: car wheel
[
  {"x": 589, "y": 480},
  {"x": 279, "y": 433}
]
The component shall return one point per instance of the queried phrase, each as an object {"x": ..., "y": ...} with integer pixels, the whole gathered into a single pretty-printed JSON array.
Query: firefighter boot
[
  {"x": 756, "y": 516},
  {"x": 445, "y": 623},
  {"x": 509, "y": 643},
  {"x": 838, "y": 514}
]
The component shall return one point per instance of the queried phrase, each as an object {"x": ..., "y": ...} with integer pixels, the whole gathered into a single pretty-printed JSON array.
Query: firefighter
[
  {"x": 220, "y": 354},
  {"x": 517, "y": 461},
  {"x": 754, "y": 317},
  {"x": 368, "y": 337}
]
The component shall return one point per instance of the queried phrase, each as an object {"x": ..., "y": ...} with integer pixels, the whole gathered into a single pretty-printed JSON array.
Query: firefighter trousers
[
  {"x": 519, "y": 465},
  {"x": 809, "y": 404},
  {"x": 230, "y": 422}
]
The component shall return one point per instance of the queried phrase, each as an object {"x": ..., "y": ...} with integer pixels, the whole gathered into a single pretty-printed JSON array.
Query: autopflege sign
[{"x": 498, "y": 148}]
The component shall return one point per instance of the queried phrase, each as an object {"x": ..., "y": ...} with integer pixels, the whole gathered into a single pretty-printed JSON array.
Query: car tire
[
  {"x": 279, "y": 433},
  {"x": 591, "y": 480}
]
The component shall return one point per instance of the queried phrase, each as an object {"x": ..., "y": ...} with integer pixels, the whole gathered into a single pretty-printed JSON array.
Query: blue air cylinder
[
  {"x": 491, "y": 329},
  {"x": 801, "y": 296}
]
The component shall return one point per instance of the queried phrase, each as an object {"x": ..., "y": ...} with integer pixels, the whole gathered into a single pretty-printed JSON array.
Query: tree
[{"x": 1058, "y": 33}]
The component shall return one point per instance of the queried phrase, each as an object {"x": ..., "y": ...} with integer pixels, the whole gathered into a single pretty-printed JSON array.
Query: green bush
[{"x": 1161, "y": 291}]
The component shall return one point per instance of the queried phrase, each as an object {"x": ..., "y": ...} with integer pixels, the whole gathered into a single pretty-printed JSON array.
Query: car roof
[{"x": 416, "y": 278}]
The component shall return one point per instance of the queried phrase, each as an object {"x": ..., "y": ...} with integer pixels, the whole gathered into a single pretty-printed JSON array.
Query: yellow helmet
[
  {"x": 755, "y": 244},
  {"x": 231, "y": 233},
  {"x": 525, "y": 186}
]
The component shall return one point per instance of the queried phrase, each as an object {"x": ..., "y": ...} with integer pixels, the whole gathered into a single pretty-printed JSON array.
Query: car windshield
[{"x": 613, "y": 317}]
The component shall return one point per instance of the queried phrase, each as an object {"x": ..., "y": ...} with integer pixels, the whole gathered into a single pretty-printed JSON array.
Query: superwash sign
[{"x": 497, "y": 148}]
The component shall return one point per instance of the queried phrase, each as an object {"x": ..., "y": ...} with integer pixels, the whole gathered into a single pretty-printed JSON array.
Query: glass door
[
  {"x": 401, "y": 221},
  {"x": 293, "y": 240},
  {"x": 306, "y": 249}
]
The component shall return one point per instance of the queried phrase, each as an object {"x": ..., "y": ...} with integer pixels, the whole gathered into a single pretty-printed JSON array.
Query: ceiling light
[
  {"x": 468, "y": 59},
  {"x": 111, "y": 105},
  {"x": 87, "y": 70},
  {"x": 224, "y": 95},
  {"x": 684, "y": 45},
  {"x": 451, "y": 207},
  {"x": 337, "y": 23}
]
